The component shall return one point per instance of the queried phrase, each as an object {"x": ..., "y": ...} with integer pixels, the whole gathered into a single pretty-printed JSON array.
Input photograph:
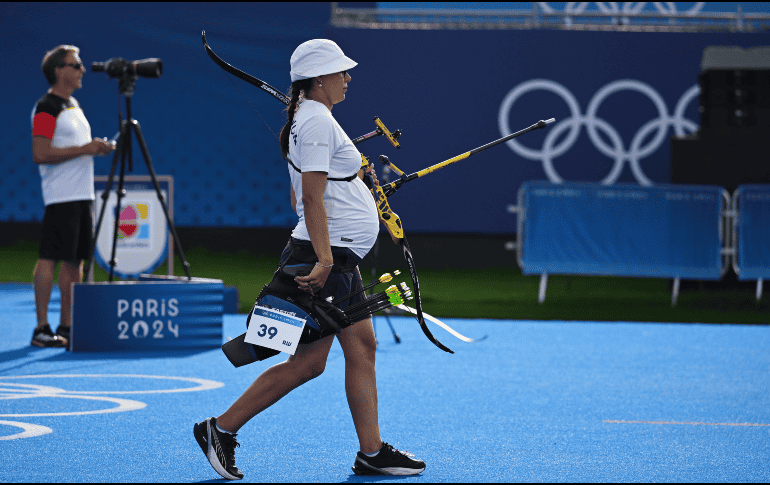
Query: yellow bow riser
[{"x": 389, "y": 218}]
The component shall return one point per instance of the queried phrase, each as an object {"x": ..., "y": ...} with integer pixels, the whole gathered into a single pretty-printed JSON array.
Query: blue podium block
[
  {"x": 231, "y": 302},
  {"x": 147, "y": 315}
]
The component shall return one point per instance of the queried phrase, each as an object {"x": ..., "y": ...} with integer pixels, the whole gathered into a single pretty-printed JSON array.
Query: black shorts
[
  {"x": 337, "y": 284},
  {"x": 67, "y": 231}
]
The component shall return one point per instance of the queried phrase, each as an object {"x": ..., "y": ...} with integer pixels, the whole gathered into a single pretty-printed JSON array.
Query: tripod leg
[
  {"x": 395, "y": 335},
  {"x": 148, "y": 161},
  {"x": 105, "y": 196},
  {"x": 375, "y": 251},
  {"x": 121, "y": 192}
]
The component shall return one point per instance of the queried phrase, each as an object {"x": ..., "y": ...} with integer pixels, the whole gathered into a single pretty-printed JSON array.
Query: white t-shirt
[
  {"x": 317, "y": 143},
  {"x": 74, "y": 179}
]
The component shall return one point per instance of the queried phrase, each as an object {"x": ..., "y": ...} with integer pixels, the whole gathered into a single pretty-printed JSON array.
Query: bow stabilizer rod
[{"x": 391, "y": 188}]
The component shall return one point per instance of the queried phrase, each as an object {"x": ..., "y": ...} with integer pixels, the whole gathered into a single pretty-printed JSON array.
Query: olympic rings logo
[
  {"x": 628, "y": 8},
  {"x": 13, "y": 391},
  {"x": 617, "y": 150}
]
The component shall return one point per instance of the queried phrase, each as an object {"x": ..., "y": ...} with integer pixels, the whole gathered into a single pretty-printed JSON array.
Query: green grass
[{"x": 487, "y": 293}]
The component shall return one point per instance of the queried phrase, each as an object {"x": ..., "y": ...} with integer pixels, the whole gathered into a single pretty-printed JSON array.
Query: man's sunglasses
[{"x": 79, "y": 65}]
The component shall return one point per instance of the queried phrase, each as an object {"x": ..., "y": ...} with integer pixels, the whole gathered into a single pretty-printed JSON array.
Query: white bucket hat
[{"x": 318, "y": 57}]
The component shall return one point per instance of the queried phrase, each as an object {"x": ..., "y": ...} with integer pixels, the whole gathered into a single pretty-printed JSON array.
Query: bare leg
[
  {"x": 69, "y": 273},
  {"x": 359, "y": 345},
  {"x": 42, "y": 278},
  {"x": 307, "y": 363}
]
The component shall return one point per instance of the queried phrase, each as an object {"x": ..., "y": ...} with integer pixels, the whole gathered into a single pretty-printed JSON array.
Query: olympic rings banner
[{"x": 618, "y": 98}]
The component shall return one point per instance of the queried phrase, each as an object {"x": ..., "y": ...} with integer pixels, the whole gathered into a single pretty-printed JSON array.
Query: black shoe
[
  {"x": 64, "y": 333},
  {"x": 44, "y": 337},
  {"x": 218, "y": 447},
  {"x": 388, "y": 461}
]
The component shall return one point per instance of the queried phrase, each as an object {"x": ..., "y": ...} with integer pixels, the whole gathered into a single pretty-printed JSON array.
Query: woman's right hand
[
  {"x": 315, "y": 281},
  {"x": 313, "y": 187},
  {"x": 98, "y": 146}
]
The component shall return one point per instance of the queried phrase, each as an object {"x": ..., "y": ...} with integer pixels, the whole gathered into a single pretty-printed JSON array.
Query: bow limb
[
  {"x": 417, "y": 301},
  {"x": 244, "y": 76},
  {"x": 393, "y": 224},
  {"x": 286, "y": 100}
]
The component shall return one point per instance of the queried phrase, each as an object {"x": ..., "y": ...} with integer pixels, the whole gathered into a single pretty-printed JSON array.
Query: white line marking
[
  {"x": 29, "y": 388},
  {"x": 123, "y": 405},
  {"x": 30, "y": 430},
  {"x": 203, "y": 384},
  {"x": 12, "y": 390},
  {"x": 682, "y": 422}
]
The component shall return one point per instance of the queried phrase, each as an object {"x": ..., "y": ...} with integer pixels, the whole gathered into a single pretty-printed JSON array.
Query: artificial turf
[{"x": 496, "y": 293}]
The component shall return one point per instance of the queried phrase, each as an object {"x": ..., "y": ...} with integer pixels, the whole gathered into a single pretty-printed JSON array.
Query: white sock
[
  {"x": 371, "y": 455},
  {"x": 223, "y": 431}
]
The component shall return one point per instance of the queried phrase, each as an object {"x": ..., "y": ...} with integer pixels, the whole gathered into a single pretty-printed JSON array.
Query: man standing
[{"x": 63, "y": 149}]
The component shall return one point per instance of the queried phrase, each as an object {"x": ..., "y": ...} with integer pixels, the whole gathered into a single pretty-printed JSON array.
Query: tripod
[{"x": 123, "y": 152}]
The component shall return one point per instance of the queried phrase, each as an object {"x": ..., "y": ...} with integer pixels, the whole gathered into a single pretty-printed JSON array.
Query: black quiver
[{"x": 322, "y": 318}]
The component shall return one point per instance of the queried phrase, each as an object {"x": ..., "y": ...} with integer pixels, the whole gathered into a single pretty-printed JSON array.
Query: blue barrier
[
  {"x": 752, "y": 228},
  {"x": 613, "y": 126},
  {"x": 663, "y": 231}
]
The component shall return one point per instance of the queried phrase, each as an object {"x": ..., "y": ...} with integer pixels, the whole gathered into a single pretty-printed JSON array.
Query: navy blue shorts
[
  {"x": 337, "y": 284},
  {"x": 67, "y": 231}
]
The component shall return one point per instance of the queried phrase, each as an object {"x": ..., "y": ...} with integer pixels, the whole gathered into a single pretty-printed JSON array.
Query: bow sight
[{"x": 380, "y": 130}]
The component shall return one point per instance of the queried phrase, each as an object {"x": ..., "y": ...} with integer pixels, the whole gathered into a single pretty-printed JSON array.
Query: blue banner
[
  {"x": 753, "y": 230},
  {"x": 662, "y": 231},
  {"x": 142, "y": 233},
  {"x": 618, "y": 98}
]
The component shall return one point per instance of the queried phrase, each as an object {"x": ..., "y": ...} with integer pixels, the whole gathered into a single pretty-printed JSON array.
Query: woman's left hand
[{"x": 315, "y": 281}]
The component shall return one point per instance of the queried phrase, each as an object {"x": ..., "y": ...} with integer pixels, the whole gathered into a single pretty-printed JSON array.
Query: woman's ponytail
[{"x": 297, "y": 87}]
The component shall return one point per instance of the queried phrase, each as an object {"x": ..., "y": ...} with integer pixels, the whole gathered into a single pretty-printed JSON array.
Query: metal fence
[{"x": 543, "y": 16}]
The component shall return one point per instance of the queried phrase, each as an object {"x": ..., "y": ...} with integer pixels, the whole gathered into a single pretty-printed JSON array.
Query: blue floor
[{"x": 534, "y": 402}]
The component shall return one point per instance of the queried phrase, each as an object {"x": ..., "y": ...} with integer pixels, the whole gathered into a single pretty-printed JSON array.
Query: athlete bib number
[{"x": 274, "y": 330}]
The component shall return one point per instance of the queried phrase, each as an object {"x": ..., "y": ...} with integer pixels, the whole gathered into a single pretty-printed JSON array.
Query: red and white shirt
[{"x": 63, "y": 122}]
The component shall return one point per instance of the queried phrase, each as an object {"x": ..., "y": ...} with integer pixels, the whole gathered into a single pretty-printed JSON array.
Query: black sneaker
[
  {"x": 44, "y": 337},
  {"x": 388, "y": 461},
  {"x": 64, "y": 333},
  {"x": 218, "y": 447}
]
